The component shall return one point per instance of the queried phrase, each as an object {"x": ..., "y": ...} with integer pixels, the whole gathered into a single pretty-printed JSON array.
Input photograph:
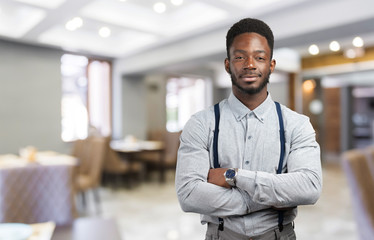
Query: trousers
[{"x": 213, "y": 233}]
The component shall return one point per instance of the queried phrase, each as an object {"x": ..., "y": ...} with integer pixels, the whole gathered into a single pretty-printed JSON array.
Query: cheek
[{"x": 235, "y": 68}]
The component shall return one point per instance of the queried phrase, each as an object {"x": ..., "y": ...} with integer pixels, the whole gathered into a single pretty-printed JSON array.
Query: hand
[{"x": 215, "y": 176}]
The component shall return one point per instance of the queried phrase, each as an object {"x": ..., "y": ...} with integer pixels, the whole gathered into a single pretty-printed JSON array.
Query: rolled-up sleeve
[{"x": 194, "y": 193}]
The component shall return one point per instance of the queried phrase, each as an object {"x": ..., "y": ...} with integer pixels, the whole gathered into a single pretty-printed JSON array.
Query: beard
[{"x": 251, "y": 90}]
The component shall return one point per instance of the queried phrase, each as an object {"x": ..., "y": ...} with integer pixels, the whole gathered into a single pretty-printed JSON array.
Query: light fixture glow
[
  {"x": 74, "y": 24},
  {"x": 176, "y": 2},
  {"x": 358, "y": 42},
  {"x": 313, "y": 49},
  {"x": 104, "y": 32},
  {"x": 334, "y": 46},
  {"x": 309, "y": 85},
  {"x": 350, "y": 53},
  {"x": 354, "y": 52},
  {"x": 159, "y": 7}
]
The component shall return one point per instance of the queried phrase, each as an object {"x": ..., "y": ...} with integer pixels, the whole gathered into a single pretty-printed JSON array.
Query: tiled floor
[{"x": 151, "y": 211}]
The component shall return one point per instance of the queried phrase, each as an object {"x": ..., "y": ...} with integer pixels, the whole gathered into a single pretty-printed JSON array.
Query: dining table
[
  {"x": 37, "y": 190},
  {"x": 131, "y": 150}
]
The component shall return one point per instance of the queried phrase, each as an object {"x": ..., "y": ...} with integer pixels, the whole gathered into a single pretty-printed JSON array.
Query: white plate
[{"x": 15, "y": 231}]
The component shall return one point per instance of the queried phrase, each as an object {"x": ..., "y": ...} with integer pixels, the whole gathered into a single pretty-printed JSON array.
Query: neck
[{"x": 251, "y": 101}]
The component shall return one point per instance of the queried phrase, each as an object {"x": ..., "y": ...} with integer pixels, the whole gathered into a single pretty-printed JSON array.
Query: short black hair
[{"x": 249, "y": 25}]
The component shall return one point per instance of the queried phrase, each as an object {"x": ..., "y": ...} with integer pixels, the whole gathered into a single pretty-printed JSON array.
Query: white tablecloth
[{"x": 37, "y": 192}]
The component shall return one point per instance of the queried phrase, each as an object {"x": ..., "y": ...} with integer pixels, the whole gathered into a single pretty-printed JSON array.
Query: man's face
[{"x": 250, "y": 63}]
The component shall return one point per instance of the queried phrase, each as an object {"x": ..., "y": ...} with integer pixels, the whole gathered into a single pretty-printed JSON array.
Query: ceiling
[{"x": 133, "y": 26}]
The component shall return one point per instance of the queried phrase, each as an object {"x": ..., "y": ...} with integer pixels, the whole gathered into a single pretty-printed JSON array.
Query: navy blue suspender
[
  {"x": 215, "y": 138},
  {"x": 215, "y": 151},
  {"x": 280, "y": 164}
]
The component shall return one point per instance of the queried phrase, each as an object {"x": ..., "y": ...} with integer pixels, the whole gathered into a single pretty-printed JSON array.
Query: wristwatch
[{"x": 230, "y": 176}]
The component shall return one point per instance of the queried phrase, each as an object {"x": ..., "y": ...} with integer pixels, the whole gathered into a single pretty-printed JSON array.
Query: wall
[
  {"x": 30, "y": 95},
  {"x": 134, "y": 120},
  {"x": 143, "y": 101},
  {"x": 156, "y": 102}
]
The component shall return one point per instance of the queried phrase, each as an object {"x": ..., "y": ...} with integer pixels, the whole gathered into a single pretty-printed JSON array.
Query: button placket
[{"x": 248, "y": 140}]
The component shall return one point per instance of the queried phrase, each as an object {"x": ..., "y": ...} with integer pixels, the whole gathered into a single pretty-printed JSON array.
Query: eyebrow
[{"x": 243, "y": 51}]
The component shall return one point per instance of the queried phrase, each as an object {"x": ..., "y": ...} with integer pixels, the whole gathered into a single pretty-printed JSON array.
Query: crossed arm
[{"x": 204, "y": 190}]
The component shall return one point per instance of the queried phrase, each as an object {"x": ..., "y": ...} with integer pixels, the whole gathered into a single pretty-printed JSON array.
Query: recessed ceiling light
[
  {"x": 176, "y": 2},
  {"x": 334, "y": 46},
  {"x": 74, "y": 24},
  {"x": 159, "y": 7},
  {"x": 122, "y": 0},
  {"x": 313, "y": 49},
  {"x": 104, "y": 32},
  {"x": 358, "y": 42},
  {"x": 350, "y": 53}
]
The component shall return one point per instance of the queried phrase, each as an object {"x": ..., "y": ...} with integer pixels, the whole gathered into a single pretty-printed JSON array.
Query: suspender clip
[{"x": 220, "y": 225}]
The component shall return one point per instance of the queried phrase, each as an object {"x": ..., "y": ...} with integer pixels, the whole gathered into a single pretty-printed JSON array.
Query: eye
[{"x": 239, "y": 57}]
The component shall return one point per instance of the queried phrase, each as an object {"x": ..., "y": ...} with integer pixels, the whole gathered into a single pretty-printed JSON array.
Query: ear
[
  {"x": 227, "y": 65},
  {"x": 272, "y": 65}
]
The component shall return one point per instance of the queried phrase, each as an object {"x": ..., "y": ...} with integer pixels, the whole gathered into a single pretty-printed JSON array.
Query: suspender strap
[
  {"x": 282, "y": 138},
  {"x": 215, "y": 138},
  {"x": 215, "y": 150},
  {"x": 281, "y": 158},
  {"x": 280, "y": 165}
]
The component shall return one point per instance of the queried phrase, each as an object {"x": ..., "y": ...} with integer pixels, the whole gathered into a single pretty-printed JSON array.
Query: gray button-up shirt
[{"x": 248, "y": 140}]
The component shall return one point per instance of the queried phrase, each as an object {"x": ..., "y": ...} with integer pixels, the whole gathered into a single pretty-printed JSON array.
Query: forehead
[{"x": 253, "y": 41}]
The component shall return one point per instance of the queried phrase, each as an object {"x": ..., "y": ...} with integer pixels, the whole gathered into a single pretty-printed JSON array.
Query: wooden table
[{"x": 131, "y": 151}]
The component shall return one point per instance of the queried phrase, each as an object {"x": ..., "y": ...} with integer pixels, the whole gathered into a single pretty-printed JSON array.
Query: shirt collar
[{"x": 240, "y": 110}]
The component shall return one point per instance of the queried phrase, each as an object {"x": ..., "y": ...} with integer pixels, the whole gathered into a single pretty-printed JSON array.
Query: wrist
[{"x": 230, "y": 176}]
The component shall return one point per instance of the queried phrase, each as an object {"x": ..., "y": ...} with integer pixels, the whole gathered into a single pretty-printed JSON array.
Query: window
[
  {"x": 85, "y": 102},
  {"x": 184, "y": 97}
]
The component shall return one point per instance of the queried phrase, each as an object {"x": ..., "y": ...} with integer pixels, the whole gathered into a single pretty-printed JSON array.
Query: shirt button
[
  {"x": 247, "y": 162},
  {"x": 249, "y": 137}
]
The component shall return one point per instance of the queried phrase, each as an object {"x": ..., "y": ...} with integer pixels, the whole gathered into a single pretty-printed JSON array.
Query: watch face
[{"x": 230, "y": 173}]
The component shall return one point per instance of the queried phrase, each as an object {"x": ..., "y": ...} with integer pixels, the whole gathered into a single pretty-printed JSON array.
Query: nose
[{"x": 249, "y": 64}]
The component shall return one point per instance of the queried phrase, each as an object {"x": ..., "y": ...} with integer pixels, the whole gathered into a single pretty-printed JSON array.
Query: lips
[{"x": 250, "y": 77}]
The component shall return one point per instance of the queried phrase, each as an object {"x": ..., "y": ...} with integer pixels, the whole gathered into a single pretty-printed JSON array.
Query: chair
[
  {"x": 171, "y": 143},
  {"x": 361, "y": 183},
  {"x": 90, "y": 153},
  {"x": 370, "y": 153},
  {"x": 115, "y": 165}
]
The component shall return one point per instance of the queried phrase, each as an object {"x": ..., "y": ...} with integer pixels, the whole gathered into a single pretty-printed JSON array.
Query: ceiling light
[
  {"x": 176, "y": 2},
  {"x": 350, "y": 53},
  {"x": 354, "y": 52},
  {"x": 313, "y": 49},
  {"x": 104, "y": 32},
  {"x": 358, "y": 42},
  {"x": 159, "y": 7},
  {"x": 74, "y": 24},
  {"x": 334, "y": 46},
  {"x": 122, "y": 0}
]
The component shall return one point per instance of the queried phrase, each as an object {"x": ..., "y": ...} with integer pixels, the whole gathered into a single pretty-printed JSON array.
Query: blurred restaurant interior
[{"x": 95, "y": 93}]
